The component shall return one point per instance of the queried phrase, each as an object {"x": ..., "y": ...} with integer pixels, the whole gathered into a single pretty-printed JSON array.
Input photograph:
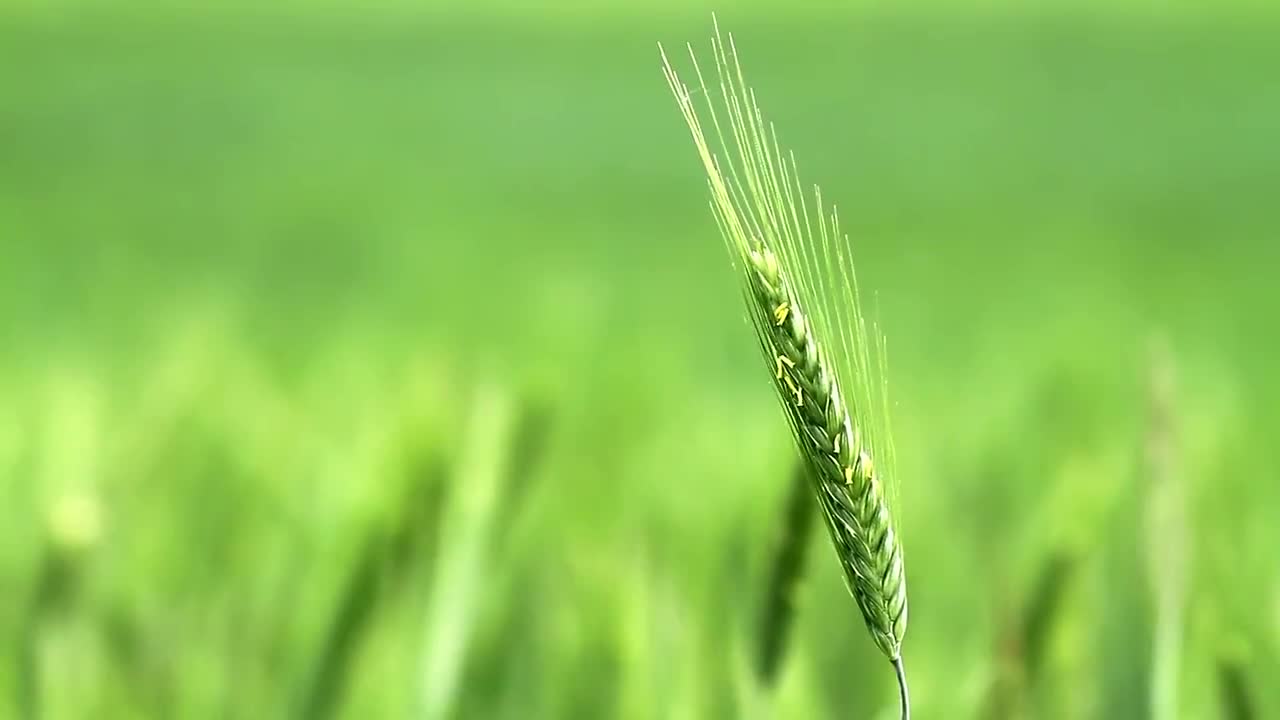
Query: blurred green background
[{"x": 384, "y": 361}]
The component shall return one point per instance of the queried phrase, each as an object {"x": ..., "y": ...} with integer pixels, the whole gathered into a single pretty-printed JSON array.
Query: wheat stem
[{"x": 903, "y": 695}]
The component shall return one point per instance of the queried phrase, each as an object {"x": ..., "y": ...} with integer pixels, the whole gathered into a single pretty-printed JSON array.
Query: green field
[{"x": 282, "y": 294}]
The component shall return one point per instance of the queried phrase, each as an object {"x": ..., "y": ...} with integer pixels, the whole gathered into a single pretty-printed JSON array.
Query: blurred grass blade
[
  {"x": 1025, "y": 637},
  {"x": 385, "y": 556},
  {"x": 1167, "y": 541},
  {"x": 530, "y": 440},
  {"x": 1233, "y": 691},
  {"x": 790, "y": 554},
  {"x": 465, "y": 535},
  {"x": 27, "y": 655},
  {"x": 1042, "y": 611},
  {"x": 73, "y": 527}
]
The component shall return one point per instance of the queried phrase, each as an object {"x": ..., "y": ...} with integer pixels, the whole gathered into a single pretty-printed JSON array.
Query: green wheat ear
[{"x": 827, "y": 365}]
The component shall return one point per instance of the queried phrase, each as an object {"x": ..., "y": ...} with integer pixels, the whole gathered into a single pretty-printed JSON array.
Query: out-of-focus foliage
[{"x": 284, "y": 296}]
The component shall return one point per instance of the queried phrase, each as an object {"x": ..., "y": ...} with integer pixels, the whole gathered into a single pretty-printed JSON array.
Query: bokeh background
[{"x": 382, "y": 360}]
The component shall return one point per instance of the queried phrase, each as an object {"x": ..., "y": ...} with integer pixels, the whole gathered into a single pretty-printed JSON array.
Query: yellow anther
[
  {"x": 835, "y": 444},
  {"x": 798, "y": 392},
  {"x": 784, "y": 360},
  {"x": 848, "y": 475},
  {"x": 780, "y": 313},
  {"x": 864, "y": 462}
]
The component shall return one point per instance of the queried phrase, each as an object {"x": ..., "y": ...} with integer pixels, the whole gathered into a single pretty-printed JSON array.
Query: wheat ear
[{"x": 801, "y": 293}]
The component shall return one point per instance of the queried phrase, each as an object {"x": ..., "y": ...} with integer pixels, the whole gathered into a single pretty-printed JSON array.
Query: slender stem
[{"x": 902, "y": 688}]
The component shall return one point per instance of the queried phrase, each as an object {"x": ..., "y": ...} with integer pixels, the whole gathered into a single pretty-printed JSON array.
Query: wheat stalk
[{"x": 801, "y": 293}]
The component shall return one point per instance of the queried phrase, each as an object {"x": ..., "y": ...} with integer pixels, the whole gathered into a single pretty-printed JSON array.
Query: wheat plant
[{"x": 825, "y": 360}]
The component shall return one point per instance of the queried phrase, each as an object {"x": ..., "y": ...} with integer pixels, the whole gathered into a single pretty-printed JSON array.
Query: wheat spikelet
[{"x": 801, "y": 294}]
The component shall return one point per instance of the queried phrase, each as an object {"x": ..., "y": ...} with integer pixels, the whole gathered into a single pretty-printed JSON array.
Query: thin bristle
[{"x": 802, "y": 298}]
